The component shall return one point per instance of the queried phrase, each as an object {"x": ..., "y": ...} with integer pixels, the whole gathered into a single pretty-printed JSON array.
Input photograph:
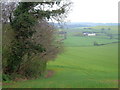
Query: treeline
[{"x": 29, "y": 41}]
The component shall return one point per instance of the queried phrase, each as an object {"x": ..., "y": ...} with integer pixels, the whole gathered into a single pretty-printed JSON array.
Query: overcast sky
[{"x": 100, "y": 11}]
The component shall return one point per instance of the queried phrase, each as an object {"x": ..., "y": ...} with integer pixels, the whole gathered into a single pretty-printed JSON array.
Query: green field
[
  {"x": 87, "y": 41},
  {"x": 82, "y": 65}
]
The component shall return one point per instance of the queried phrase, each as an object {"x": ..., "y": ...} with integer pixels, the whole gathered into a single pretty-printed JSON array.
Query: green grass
[
  {"x": 87, "y": 41},
  {"x": 80, "y": 67}
]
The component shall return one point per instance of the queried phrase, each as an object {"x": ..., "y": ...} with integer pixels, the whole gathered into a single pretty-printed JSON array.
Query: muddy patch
[{"x": 49, "y": 74}]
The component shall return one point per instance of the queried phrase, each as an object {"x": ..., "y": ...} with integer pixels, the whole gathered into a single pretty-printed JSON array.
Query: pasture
[{"x": 81, "y": 65}]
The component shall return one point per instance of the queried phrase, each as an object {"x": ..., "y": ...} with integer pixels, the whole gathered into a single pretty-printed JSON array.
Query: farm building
[{"x": 89, "y": 34}]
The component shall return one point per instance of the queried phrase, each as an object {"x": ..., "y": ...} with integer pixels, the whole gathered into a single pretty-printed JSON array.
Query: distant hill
[{"x": 85, "y": 24}]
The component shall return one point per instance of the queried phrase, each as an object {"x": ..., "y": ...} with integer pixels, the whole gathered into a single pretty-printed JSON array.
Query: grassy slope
[
  {"x": 80, "y": 67},
  {"x": 83, "y": 67}
]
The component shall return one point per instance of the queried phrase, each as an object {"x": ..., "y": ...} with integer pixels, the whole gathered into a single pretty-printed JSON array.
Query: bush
[
  {"x": 6, "y": 77},
  {"x": 33, "y": 68},
  {"x": 15, "y": 76},
  {"x": 7, "y": 36}
]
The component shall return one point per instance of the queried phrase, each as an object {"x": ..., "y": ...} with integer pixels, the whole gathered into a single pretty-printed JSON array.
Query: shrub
[
  {"x": 34, "y": 68},
  {"x": 6, "y": 77}
]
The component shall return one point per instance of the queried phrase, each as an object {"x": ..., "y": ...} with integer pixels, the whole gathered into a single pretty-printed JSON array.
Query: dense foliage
[{"x": 34, "y": 42}]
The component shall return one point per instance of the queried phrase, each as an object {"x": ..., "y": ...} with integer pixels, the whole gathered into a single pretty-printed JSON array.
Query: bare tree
[
  {"x": 46, "y": 35},
  {"x": 7, "y": 10}
]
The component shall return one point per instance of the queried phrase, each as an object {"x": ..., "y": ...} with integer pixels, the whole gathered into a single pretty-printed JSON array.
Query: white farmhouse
[{"x": 91, "y": 34}]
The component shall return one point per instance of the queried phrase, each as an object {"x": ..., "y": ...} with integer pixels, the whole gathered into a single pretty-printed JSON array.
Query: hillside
[{"x": 81, "y": 65}]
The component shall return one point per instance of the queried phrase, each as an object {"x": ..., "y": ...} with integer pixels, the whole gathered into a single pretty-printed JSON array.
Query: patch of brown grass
[{"x": 49, "y": 74}]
